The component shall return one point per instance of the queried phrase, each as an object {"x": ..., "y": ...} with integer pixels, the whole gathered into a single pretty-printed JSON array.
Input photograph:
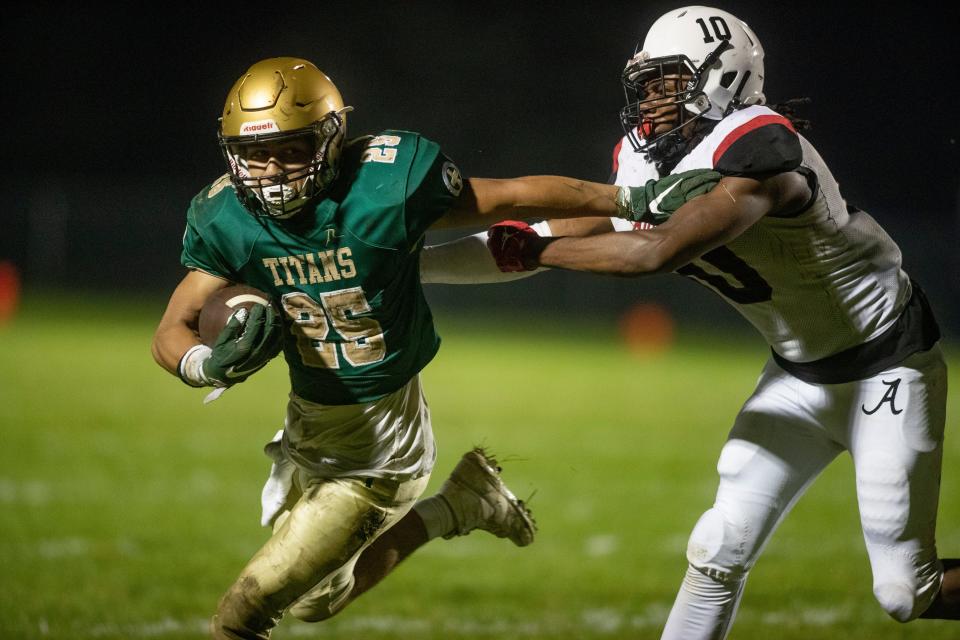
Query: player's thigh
[
  {"x": 896, "y": 442},
  {"x": 774, "y": 451},
  {"x": 331, "y": 522},
  {"x": 777, "y": 445},
  {"x": 331, "y": 593}
]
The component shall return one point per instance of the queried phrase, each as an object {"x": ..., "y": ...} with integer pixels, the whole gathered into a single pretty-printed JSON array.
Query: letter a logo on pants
[{"x": 890, "y": 396}]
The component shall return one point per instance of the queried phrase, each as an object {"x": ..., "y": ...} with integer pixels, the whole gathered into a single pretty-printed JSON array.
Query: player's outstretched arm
[
  {"x": 698, "y": 226},
  {"x": 464, "y": 260},
  {"x": 467, "y": 260},
  {"x": 566, "y": 201},
  {"x": 487, "y": 200}
]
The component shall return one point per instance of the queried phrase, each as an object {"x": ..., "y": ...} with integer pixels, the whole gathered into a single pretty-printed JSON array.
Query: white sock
[
  {"x": 704, "y": 608},
  {"x": 436, "y": 515}
]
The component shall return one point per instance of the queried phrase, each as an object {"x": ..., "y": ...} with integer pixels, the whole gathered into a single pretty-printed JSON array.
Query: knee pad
[
  {"x": 238, "y": 617},
  {"x": 897, "y": 517},
  {"x": 899, "y": 601},
  {"x": 906, "y": 590},
  {"x": 717, "y": 547},
  {"x": 311, "y": 614},
  {"x": 883, "y": 491},
  {"x": 325, "y": 600}
]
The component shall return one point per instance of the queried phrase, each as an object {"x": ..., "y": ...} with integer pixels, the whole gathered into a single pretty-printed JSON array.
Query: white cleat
[{"x": 480, "y": 500}]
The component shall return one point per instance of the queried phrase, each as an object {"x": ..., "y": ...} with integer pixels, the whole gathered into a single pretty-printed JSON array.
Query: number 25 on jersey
[{"x": 362, "y": 342}]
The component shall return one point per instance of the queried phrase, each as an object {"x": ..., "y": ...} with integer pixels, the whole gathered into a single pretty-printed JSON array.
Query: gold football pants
[{"x": 306, "y": 566}]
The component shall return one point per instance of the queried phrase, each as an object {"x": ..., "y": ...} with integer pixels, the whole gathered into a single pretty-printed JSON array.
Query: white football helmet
[{"x": 719, "y": 55}]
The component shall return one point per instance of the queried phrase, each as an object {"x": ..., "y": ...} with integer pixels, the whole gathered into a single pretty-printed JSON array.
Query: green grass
[{"x": 128, "y": 506}]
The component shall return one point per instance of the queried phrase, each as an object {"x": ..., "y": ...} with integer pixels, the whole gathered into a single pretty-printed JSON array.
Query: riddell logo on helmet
[{"x": 258, "y": 126}]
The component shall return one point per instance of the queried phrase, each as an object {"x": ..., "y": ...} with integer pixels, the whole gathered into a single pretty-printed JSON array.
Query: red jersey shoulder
[{"x": 761, "y": 142}]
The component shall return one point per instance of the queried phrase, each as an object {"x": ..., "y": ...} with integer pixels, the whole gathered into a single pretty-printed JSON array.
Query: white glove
[{"x": 279, "y": 484}]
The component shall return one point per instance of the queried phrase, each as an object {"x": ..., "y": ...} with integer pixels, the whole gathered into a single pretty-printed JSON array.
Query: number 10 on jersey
[{"x": 313, "y": 321}]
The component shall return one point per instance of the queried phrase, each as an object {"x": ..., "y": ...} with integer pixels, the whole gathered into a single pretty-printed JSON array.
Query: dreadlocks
[{"x": 788, "y": 109}]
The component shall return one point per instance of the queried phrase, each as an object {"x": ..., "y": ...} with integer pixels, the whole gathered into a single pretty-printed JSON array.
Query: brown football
[{"x": 220, "y": 306}]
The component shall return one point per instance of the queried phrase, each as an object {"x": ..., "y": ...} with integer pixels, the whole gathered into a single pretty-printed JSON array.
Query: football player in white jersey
[{"x": 855, "y": 364}]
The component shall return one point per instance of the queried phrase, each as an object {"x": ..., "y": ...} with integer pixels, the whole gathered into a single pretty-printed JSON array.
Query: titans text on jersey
[{"x": 311, "y": 268}]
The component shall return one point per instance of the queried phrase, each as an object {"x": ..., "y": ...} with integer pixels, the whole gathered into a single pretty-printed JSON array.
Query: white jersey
[{"x": 815, "y": 283}]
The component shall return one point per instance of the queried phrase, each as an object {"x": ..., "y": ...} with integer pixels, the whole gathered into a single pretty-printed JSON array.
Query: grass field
[{"x": 128, "y": 506}]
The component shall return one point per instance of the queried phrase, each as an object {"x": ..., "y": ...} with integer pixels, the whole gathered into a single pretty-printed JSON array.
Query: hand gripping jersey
[
  {"x": 824, "y": 286},
  {"x": 345, "y": 273}
]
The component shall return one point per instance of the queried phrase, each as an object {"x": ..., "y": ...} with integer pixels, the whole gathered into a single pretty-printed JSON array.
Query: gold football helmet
[{"x": 276, "y": 101}]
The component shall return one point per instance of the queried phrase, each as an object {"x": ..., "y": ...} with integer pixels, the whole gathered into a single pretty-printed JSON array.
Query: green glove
[
  {"x": 657, "y": 200},
  {"x": 247, "y": 343}
]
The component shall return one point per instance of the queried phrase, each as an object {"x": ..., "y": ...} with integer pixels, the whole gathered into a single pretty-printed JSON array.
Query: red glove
[{"x": 510, "y": 243}]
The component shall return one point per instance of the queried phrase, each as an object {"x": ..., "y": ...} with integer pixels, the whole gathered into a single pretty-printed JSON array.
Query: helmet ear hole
[
  {"x": 329, "y": 127},
  {"x": 727, "y": 79}
]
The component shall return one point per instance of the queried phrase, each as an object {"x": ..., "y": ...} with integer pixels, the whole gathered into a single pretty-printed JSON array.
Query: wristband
[
  {"x": 190, "y": 367},
  {"x": 624, "y": 203},
  {"x": 542, "y": 228}
]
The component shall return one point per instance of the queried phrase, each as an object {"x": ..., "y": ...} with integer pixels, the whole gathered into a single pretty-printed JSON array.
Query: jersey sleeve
[
  {"x": 198, "y": 253},
  {"x": 762, "y": 146},
  {"x": 433, "y": 187}
]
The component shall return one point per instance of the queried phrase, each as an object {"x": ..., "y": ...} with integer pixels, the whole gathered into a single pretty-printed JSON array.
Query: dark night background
[{"x": 113, "y": 116}]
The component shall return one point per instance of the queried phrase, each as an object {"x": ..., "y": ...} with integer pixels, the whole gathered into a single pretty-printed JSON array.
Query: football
[{"x": 220, "y": 306}]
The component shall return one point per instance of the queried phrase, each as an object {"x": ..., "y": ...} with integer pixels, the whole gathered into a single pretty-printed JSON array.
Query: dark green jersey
[{"x": 347, "y": 272}]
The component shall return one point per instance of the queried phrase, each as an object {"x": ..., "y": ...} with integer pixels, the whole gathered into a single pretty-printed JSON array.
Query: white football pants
[{"x": 784, "y": 436}]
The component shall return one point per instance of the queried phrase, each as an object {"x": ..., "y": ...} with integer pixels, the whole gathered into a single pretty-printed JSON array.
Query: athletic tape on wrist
[
  {"x": 190, "y": 368},
  {"x": 542, "y": 228},
  {"x": 624, "y": 203}
]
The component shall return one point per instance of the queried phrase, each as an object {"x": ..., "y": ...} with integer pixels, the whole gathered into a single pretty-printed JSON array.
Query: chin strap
[
  {"x": 735, "y": 103},
  {"x": 714, "y": 56}
]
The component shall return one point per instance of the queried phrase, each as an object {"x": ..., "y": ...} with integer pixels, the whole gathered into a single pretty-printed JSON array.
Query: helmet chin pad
[
  {"x": 284, "y": 200},
  {"x": 284, "y": 194}
]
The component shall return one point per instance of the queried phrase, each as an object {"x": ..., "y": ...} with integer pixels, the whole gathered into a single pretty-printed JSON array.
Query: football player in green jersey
[{"x": 333, "y": 229}]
